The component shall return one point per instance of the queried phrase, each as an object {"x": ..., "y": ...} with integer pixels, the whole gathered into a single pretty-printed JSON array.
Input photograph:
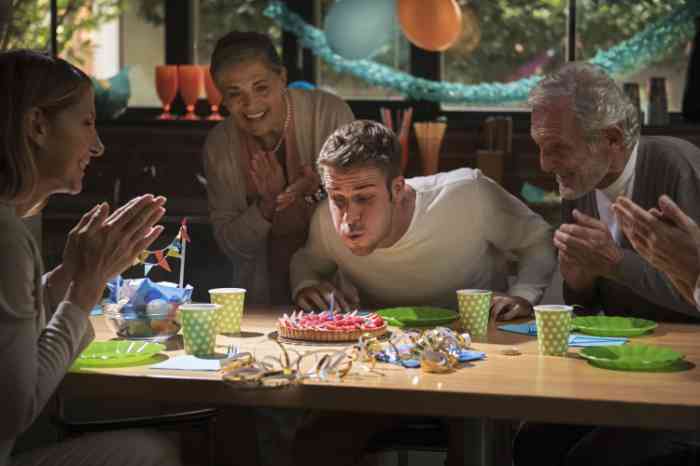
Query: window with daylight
[
  {"x": 142, "y": 23},
  {"x": 506, "y": 41},
  {"x": 395, "y": 53},
  {"x": 510, "y": 40},
  {"x": 603, "y": 24},
  {"x": 212, "y": 19},
  {"x": 502, "y": 41}
]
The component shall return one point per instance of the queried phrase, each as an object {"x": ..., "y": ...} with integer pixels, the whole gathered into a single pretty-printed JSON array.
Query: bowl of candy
[
  {"x": 135, "y": 325},
  {"x": 140, "y": 309}
]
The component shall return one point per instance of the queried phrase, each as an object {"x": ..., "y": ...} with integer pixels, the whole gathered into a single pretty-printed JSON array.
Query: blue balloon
[
  {"x": 301, "y": 85},
  {"x": 358, "y": 29}
]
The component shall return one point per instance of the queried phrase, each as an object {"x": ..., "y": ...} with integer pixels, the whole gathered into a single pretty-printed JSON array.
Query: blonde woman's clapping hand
[{"x": 103, "y": 245}]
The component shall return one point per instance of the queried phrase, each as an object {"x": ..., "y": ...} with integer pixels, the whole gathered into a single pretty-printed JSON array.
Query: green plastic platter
[
  {"x": 613, "y": 326},
  {"x": 631, "y": 357},
  {"x": 421, "y": 316},
  {"x": 117, "y": 353}
]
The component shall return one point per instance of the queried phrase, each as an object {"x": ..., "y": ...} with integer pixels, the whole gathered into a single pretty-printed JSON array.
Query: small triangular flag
[
  {"x": 147, "y": 267},
  {"x": 162, "y": 261},
  {"x": 165, "y": 265}
]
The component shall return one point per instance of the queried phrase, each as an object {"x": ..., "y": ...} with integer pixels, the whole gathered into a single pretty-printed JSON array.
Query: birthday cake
[{"x": 329, "y": 326}]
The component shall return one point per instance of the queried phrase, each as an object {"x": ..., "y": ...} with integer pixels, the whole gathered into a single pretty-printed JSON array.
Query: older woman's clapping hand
[
  {"x": 102, "y": 246},
  {"x": 307, "y": 184},
  {"x": 268, "y": 178}
]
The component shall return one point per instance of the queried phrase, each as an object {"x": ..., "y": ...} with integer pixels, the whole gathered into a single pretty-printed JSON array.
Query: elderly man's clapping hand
[
  {"x": 666, "y": 237},
  {"x": 586, "y": 250}
]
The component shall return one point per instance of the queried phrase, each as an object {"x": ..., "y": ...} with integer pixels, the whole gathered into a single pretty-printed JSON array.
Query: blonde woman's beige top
[{"x": 37, "y": 346}]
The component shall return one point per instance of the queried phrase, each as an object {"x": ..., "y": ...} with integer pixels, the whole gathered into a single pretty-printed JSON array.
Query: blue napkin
[
  {"x": 575, "y": 340},
  {"x": 464, "y": 356},
  {"x": 468, "y": 355},
  {"x": 583, "y": 341},
  {"x": 528, "y": 328},
  {"x": 189, "y": 363}
]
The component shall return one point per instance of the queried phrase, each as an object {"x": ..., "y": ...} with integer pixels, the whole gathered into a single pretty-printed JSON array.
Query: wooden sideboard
[{"x": 164, "y": 157}]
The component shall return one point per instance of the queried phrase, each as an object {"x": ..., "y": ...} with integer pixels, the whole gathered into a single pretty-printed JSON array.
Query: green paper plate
[
  {"x": 631, "y": 357},
  {"x": 117, "y": 353},
  {"x": 154, "y": 359},
  {"x": 422, "y": 316},
  {"x": 613, "y": 326}
]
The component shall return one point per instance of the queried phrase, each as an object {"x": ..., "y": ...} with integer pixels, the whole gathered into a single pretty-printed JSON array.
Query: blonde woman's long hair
[{"x": 30, "y": 80}]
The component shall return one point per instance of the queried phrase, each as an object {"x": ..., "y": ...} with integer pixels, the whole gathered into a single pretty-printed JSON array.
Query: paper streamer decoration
[
  {"x": 358, "y": 29},
  {"x": 434, "y": 25},
  {"x": 647, "y": 46},
  {"x": 301, "y": 85}
]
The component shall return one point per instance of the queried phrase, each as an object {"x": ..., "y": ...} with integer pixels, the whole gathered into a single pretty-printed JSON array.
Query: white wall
[{"x": 143, "y": 47}]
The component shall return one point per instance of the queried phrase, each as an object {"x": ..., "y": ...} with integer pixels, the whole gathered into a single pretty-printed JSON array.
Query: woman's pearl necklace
[{"x": 287, "y": 120}]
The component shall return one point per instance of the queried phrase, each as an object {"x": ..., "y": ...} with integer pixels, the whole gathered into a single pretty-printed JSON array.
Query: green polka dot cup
[
  {"x": 199, "y": 328},
  {"x": 553, "y": 328},
  {"x": 232, "y": 302},
  {"x": 474, "y": 307}
]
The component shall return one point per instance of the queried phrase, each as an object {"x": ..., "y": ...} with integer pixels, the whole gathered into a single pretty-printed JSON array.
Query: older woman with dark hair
[
  {"x": 47, "y": 139},
  {"x": 259, "y": 163}
]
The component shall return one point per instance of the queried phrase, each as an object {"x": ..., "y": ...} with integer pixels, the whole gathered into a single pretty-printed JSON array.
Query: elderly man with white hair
[{"x": 588, "y": 135}]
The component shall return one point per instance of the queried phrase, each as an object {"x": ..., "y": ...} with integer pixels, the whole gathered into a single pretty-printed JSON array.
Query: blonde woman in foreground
[{"x": 47, "y": 139}]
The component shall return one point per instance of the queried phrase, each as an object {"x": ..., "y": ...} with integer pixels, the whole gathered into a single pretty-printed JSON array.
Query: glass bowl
[{"x": 146, "y": 326}]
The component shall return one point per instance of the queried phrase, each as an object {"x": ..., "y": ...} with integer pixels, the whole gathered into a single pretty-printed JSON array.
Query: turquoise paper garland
[{"x": 643, "y": 48}]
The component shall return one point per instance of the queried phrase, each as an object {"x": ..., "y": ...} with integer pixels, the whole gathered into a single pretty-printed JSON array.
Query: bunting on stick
[{"x": 176, "y": 249}]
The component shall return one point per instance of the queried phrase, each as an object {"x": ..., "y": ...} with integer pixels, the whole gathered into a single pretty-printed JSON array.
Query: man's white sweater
[{"x": 464, "y": 227}]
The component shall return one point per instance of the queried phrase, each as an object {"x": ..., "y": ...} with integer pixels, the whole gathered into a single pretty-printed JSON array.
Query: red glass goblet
[
  {"x": 166, "y": 87},
  {"x": 213, "y": 95},
  {"x": 190, "y": 88}
]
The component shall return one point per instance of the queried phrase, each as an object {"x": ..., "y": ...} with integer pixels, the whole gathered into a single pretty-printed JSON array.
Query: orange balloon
[{"x": 431, "y": 25}]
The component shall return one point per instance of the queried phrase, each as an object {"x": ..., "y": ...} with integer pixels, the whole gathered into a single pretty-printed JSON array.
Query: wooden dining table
[{"x": 527, "y": 386}]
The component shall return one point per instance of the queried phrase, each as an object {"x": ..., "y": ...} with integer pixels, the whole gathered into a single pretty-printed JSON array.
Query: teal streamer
[
  {"x": 650, "y": 44},
  {"x": 645, "y": 47}
]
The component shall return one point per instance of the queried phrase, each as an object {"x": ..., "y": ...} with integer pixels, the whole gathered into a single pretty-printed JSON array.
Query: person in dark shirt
[{"x": 588, "y": 135}]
